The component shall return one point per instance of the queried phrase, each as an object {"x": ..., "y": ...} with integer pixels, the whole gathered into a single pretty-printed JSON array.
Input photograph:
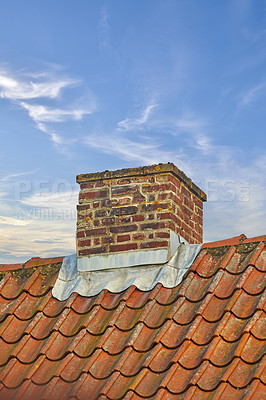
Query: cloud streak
[
  {"x": 15, "y": 89},
  {"x": 12, "y": 221},
  {"x": 129, "y": 124},
  {"x": 252, "y": 95},
  {"x": 142, "y": 150},
  {"x": 28, "y": 91},
  {"x": 41, "y": 113},
  {"x": 104, "y": 35}
]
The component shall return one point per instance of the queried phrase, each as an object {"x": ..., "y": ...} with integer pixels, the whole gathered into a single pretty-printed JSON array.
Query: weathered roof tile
[{"x": 203, "y": 339}]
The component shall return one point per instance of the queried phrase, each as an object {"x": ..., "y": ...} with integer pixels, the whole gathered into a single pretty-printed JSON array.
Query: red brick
[
  {"x": 162, "y": 178},
  {"x": 100, "y": 184},
  {"x": 138, "y": 199},
  {"x": 121, "y": 229},
  {"x": 123, "y": 220},
  {"x": 124, "y": 200},
  {"x": 172, "y": 226},
  {"x": 138, "y": 236},
  {"x": 156, "y": 188},
  {"x": 188, "y": 203},
  {"x": 198, "y": 229},
  {"x": 96, "y": 242},
  {"x": 196, "y": 219},
  {"x": 138, "y": 218},
  {"x": 93, "y": 195},
  {"x": 110, "y": 203},
  {"x": 83, "y": 207},
  {"x": 199, "y": 212},
  {"x": 186, "y": 236},
  {"x": 191, "y": 224},
  {"x": 96, "y": 204},
  {"x": 94, "y": 250},
  {"x": 123, "y": 238},
  {"x": 80, "y": 234},
  {"x": 123, "y": 181},
  {"x": 88, "y": 185},
  {"x": 151, "y": 217},
  {"x": 124, "y": 190},
  {"x": 124, "y": 210},
  {"x": 100, "y": 213},
  {"x": 163, "y": 235},
  {"x": 197, "y": 201},
  {"x": 108, "y": 221},
  {"x": 185, "y": 191},
  {"x": 166, "y": 215},
  {"x": 123, "y": 247},
  {"x": 174, "y": 180},
  {"x": 174, "y": 189},
  {"x": 153, "y": 225},
  {"x": 163, "y": 196},
  {"x": 84, "y": 243},
  {"x": 176, "y": 219},
  {"x": 176, "y": 199},
  {"x": 197, "y": 237},
  {"x": 107, "y": 239},
  {"x": 153, "y": 244},
  {"x": 154, "y": 206},
  {"x": 95, "y": 232},
  {"x": 151, "y": 236}
]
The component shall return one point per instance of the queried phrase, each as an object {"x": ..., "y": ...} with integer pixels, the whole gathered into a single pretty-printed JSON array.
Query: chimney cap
[{"x": 141, "y": 171}]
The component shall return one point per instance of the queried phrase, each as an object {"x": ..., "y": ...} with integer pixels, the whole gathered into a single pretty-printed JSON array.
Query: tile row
[
  {"x": 38, "y": 285},
  {"x": 57, "y": 389},
  {"x": 199, "y": 335},
  {"x": 153, "y": 315},
  {"x": 205, "y": 269},
  {"x": 194, "y": 289},
  {"x": 145, "y": 383},
  {"x": 101, "y": 365},
  {"x": 207, "y": 263}
]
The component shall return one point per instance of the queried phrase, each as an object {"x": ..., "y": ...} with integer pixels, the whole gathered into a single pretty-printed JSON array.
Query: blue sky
[{"x": 92, "y": 85}]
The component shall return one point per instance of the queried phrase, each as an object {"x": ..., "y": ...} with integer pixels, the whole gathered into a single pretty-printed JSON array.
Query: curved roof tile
[{"x": 202, "y": 339}]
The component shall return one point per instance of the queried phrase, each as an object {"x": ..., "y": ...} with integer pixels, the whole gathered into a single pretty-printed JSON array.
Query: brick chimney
[{"x": 137, "y": 209}]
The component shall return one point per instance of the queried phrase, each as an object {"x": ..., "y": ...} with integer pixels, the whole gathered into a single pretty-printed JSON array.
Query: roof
[{"x": 202, "y": 339}]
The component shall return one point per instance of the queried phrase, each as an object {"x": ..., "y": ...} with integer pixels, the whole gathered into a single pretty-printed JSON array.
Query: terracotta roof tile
[{"x": 200, "y": 340}]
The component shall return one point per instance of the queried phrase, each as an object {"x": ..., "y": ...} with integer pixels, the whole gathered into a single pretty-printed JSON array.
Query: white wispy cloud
[
  {"x": 198, "y": 132},
  {"x": 41, "y": 224},
  {"x": 15, "y": 89},
  {"x": 12, "y": 176},
  {"x": 252, "y": 95},
  {"x": 143, "y": 151},
  {"x": 41, "y": 113},
  {"x": 28, "y": 90},
  {"x": 42, "y": 237},
  {"x": 12, "y": 221},
  {"x": 104, "y": 30},
  {"x": 130, "y": 124},
  {"x": 237, "y": 193},
  {"x": 55, "y": 137},
  {"x": 55, "y": 200}
]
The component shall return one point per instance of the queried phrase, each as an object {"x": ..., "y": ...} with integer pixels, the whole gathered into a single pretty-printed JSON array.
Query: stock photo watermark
[{"x": 56, "y": 199}]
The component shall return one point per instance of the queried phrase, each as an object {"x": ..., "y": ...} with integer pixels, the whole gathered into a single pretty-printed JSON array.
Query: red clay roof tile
[{"x": 202, "y": 339}]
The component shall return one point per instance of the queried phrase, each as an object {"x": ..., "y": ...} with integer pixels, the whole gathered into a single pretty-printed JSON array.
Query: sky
[{"x": 88, "y": 85}]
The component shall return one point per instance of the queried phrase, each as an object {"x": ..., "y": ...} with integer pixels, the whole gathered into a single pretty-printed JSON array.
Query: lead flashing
[{"x": 144, "y": 277}]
